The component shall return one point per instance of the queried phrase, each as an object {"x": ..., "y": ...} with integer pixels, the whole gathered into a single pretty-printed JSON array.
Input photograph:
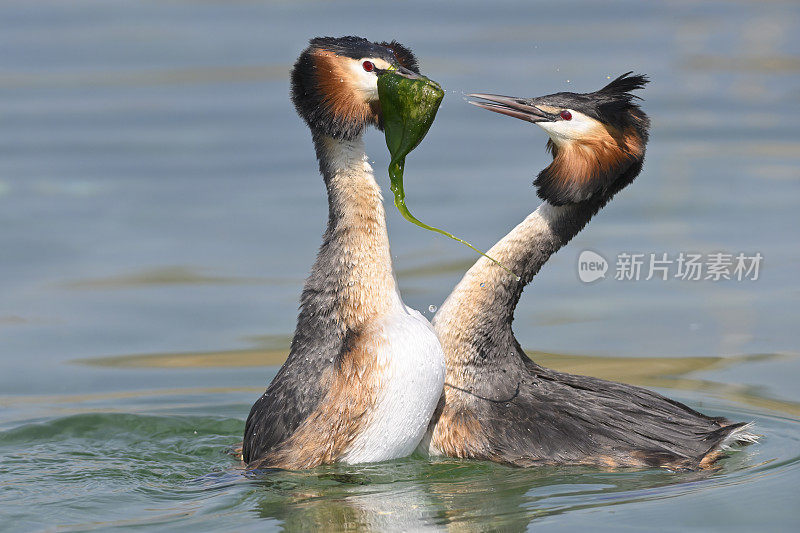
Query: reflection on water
[
  {"x": 174, "y": 275},
  {"x": 160, "y": 206},
  {"x": 161, "y": 464},
  {"x": 668, "y": 373}
]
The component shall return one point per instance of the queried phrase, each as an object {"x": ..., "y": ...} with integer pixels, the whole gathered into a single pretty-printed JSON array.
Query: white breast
[{"x": 411, "y": 382}]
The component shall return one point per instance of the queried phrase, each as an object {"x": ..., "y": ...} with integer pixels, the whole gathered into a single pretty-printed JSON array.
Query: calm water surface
[{"x": 160, "y": 206}]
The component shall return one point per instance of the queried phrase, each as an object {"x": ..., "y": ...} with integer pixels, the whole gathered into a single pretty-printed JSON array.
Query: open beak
[{"x": 520, "y": 108}]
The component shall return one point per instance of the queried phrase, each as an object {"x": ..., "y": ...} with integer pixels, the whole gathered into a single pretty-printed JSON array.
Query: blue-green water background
[{"x": 159, "y": 196}]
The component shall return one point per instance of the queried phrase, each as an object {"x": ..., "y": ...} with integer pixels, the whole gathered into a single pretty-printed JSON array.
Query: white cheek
[
  {"x": 554, "y": 129},
  {"x": 364, "y": 82},
  {"x": 567, "y": 130}
]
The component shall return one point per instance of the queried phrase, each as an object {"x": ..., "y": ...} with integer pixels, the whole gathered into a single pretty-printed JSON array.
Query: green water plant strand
[{"x": 409, "y": 106}]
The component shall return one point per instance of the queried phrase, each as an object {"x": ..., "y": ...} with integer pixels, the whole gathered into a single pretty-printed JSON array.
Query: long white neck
[
  {"x": 351, "y": 281},
  {"x": 475, "y": 320}
]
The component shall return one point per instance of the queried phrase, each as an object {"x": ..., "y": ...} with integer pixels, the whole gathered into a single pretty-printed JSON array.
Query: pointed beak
[
  {"x": 403, "y": 71},
  {"x": 520, "y": 108}
]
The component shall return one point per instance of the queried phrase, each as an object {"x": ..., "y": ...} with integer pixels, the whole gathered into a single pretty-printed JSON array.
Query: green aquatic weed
[{"x": 409, "y": 106}]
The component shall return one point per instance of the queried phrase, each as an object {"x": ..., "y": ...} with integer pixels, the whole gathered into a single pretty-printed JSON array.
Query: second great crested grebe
[
  {"x": 498, "y": 404},
  {"x": 364, "y": 372}
]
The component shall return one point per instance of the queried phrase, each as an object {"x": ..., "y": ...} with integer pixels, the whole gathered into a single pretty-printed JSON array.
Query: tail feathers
[
  {"x": 738, "y": 435},
  {"x": 727, "y": 438}
]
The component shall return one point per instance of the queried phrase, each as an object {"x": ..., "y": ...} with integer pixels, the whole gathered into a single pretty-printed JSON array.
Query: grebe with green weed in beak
[{"x": 364, "y": 372}]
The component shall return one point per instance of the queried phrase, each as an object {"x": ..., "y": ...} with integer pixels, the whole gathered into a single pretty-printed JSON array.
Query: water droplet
[
  {"x": 482, "y": 284},
  {"x": 432, "y": 308}
]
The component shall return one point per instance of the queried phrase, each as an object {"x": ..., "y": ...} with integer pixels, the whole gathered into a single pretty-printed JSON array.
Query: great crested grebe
[
  {"x": 498, "y": 404},
  {"x": 364, "y": 372}
]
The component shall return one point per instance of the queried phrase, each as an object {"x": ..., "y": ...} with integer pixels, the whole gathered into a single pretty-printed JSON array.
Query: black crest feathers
[
  {"x": 612, "y": 101},
  {"x": 404, "y": 56},
  {"x": 624, "y": 84}
]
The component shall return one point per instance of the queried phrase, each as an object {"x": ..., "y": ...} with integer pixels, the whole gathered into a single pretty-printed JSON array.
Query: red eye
[
  {"x": 368, "y": 66},
  {"x": 566, "y": 115}
]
